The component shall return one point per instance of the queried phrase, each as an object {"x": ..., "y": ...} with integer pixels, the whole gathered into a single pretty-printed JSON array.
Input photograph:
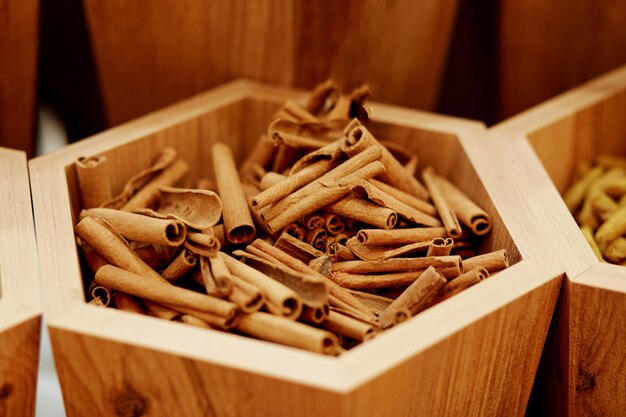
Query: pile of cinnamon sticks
[{"x": 323, "y": 238}]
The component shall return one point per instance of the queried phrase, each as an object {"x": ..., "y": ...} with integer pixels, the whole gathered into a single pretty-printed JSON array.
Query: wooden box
[
  {"x": 473, "y": 355},
  {"x": 20, "y": 313},
  {"x": 399, "y": 46},
  {"x": 583, "y": 369}
]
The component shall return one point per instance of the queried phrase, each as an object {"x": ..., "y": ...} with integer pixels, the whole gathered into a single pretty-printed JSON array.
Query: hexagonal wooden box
[
  {"x": 20, "y": 312},
  {"x": 473, "y": 355},
  {"x": 583, "y": 371}
]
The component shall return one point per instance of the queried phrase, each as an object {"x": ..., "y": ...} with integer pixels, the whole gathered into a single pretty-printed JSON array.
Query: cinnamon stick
[
  {"x": 467, "y": 212},
  {"x": 347, "y": 326},
  {"x": 184, "y": 262},
  {"x": 364, "y": 211},
  {"x": 493, "y": 261},
  {"x": 399, "y": 236},
  {"x": 93, "y": 180},
  {"x": 280, "y": 330},
  {"x": 149, "y": 194},
  {"x": 238, "y": 223},
  {"x": 447, "y": 215},
  {"x": 141, "y": 228}
]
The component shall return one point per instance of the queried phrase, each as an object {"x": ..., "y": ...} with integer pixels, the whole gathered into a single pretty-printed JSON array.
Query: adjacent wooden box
[
  {"x": 20, "y": 313},
  {"x": 19, "y": 40},
  {"x": 584, "y": 366},
  {"x": 399, "y": 46},
  {"x": 475, "y": 354}
]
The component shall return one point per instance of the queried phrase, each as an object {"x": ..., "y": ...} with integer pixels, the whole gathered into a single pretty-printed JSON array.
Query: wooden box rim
[
  {"x": 19, "y": 273},
  {"x": 516, "y": 130}
]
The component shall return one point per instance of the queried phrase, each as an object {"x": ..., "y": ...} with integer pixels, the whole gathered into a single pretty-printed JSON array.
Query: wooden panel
[
  {"x": 19, "y": 358},
  {"x": 19, "y": 33},
  {"x": 19, "y": 290},
  {"x": 549, "y": 47},
  {"x": 598, "y": 384},
  {"x": 400, "y": 46}
]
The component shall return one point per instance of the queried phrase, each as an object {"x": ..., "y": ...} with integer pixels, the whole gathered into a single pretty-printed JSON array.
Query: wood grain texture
[
  {"x": 474, "y": 354},
  {"x": 547, "y": 48},
  {"x": 19, "y": 290},
  {"x": 584, "y": 370},
  {"x": 19, "y": 33},
  {"x": 400, "y": 46}
]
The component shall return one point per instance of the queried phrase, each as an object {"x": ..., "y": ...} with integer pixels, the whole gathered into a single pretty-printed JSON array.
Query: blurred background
[{"x": 71, "y": 68}]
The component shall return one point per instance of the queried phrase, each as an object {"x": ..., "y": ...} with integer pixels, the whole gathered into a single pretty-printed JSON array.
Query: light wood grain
[
  {"x": 583, "y": 370},
  {"x": 487, "y": 339},
  {"x": 19, "y": 31},
  {"x": 19, "y": 290},
  {"x": 400, "y": 46},
  {"x": 546, "y": 48}
]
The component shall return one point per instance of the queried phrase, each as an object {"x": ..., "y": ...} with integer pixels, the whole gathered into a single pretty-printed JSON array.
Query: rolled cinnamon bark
[
  {"x": 364, "y": 211},
  {"x": 303, "y": 135},
  {"x": 287, "y": 300},
  {"x": 298, "y": 112},
  {"x": 193, "y": 321},
  {"x": 285, "y": 157},
  {"x": 382, "y": 252},
  {"x": 320, "y": 94},
  {"x": 280, "y": 330},
  {"x": 155, "y": 256},
  {"x": 160, "y": 311},
  {"x": 294, "y": 230},
  {"x": 139, "y": 228},
  {"x": 347, "y": 326},
  {"x": 262, "y": 154},
  {"x": 149, "y": 194},
  {"x": 99, "y": 292},
  {"x": 207, "y": 184},
  {"x": 406, "y": 198},
  {"x": 298, "y": 249},
  {"x": 270, "y": 179},
  {"x": 342, "y": 252},
  {"x": 376, "y": 303},
  {"x": 93, "y": 180},
  {"x": 462, "y": 282},
  {"x": 328, "y": 193},
  {"x": 467, "y": 212},
  {"x": 397, "y": 264},
  {"x": 311, "y": 288},
  {"x": 316, "y": 238},
  {"x": 358, "y": 139},
  {"x": 125, "y": 302},
  {"x": 204, "y": 244},
  {"x": 220, "y": 322},
  {"x": 340, "y": 172},
  {"x": 399, "y": 236},
  {"x": 493, "y": 261},
  {"x": 415, "y": 297},
  {"x": 334, "y": 290},
  {"x": 367, "y": 190},
  {"x": 313, "y": 221},
  {"x": 162, "y": 292},
  {"x": 247, "y": 297},
  {"x": 333, "y": 223},
  {"x": 388, "y": 280},
  {"x": 184, "y": 262},
  {"x": 315, "y": 315},
  {"x": 331, "y": 153},
  {"x": 215, "y": 285},
  {"x": 198, "y": 209},
  {"x": 238, "y": 222},
  {"x": 113, "y": 249},
  {"x": 137, "y": 181},
  {"x": 440, "y": 247},
  {"x": 447, "y": 215}
]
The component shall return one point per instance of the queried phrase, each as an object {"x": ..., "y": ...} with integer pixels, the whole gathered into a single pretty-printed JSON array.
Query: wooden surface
[
  {"x": 475, "y": 354},
  {"x": 19, "y": 33},
  {"x": 577, "y": 125},
  {"x": 19, "y": 290},
  {"x": 547, "y": 48},
  {"x": 399, "y": 46}
]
